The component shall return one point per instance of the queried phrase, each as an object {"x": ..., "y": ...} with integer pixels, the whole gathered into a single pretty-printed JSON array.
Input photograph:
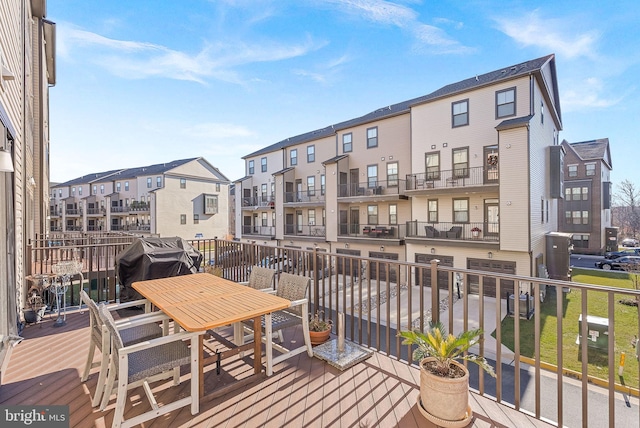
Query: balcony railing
[
  {"x": 380, "y": 231},
  {"x": 259, "y": 201},
  {"x": 473, "y": 231},
  {"x": 372, "y": 187},
  {"x": 304, "y": 230},
  {"x": 308, "y": 196},
  {"x": 259, "y": 230},
  {"x": 447, "y": 179},
  {"x": 535, "y": 354},
  {"x": 73, "y": 211}
]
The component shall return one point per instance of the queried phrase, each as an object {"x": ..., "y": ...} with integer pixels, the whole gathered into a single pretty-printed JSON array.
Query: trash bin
[
  {"x": 597, "y": 332},
  {"x": 153, "y": 258}
]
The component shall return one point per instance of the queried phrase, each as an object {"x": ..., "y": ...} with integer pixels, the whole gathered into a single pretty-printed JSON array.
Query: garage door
[
  {"x": 347, "y": 265},
  {"x": 489, "y": 284},
  {"x": 423, "y": 274},
  {"x": 374, "y": 267}
]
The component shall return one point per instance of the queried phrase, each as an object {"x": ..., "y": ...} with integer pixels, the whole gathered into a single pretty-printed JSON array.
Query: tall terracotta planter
[
  {"x": 445, "y": 401},
  {"x": 319, "y": 337}
]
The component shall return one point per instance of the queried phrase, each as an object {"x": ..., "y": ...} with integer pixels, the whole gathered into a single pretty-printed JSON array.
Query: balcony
[
  {"x": 377, "y": 231},
  {"x": 473, "y": 232},
  {"x": 262, "y": 231},
  {"x": 257, "y": 202},
  {"x": 372, "y": 189},
  {"x": 313, "y": 231},
  {"x": 305, "y": 198},
  {"x": 566, "y": 385},
  {"x": 100, "y": 211},
  {"x": 450, "y": 180},
  {"x": 73, "y": 212}
]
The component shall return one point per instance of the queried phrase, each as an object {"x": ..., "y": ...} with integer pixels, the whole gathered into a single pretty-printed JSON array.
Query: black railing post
[{"x": 435, "y": 292}]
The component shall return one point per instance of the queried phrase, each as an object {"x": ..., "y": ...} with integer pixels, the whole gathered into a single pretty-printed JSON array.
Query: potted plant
[
  {"x": 319, "y": 329},
  {"x": 476, "y": 231},
  {"x": 444, "y": 382}
]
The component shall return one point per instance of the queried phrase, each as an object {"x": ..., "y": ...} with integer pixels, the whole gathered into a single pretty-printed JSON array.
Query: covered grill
[{"x": 153, "y": 258}]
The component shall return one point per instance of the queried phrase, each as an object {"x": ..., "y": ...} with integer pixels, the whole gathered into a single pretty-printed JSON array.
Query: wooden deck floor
[{"x": 303, "y": 392}]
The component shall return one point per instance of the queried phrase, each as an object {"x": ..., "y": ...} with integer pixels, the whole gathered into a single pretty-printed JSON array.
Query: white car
[{"x": 278, "y": 263}]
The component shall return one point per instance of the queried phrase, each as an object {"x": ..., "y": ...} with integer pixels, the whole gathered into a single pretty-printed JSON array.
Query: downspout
[{"x": 532, "y": 113}]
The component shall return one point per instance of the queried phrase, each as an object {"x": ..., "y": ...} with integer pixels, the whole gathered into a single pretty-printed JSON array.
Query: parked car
[
  {"x": 626, "y": 252},
  {"x": 630, "y": 242},
  {"x": 621, "y": 263},
  {"x": 278, "y": 263}
]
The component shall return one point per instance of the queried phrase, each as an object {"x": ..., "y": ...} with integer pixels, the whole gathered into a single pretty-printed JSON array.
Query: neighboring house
[
  {"x": 469, "y": 174},
  {"x": 585, "y": 210},
  {"x": 186, "y": 198},
  {"x": 27, "y": 71}
]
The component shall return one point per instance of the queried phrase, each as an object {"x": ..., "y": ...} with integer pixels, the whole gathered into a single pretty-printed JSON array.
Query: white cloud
[
  {"x": 553, "y": 35},
  {"x": 138, "y": 60},
  {"x": 588, "y": 93}
]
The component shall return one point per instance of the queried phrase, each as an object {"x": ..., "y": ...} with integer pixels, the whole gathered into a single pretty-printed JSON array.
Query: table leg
[
  {"x": 197, "y": 385},
  {"x": 257, "y": 345},
  {"x": 200, "y": 365},
  {"x": 269, "y": 345}
]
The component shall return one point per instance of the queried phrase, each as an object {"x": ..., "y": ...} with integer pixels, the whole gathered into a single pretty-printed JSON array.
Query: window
[
  {"x": 541, "y": 112},
  {"x": 590, "y": 169},
  {"x": 183, "y": 219},
  {"x": 60, "y": 191},
  {"x": 372, "y": 214},
  {"x": 347, "y": 143},
  {"x": 126, "y": 186},
  {"x": 585, "y": 217},
  {"x": 149, "y": 183},
  {"x": 567, "y": 216},
  {"x": 264, "y": 219},
  {"x": 460, "y": 210},
  {"x": 585, "y": 193},
  {"x": 506, "y": 103},
  {"x": 251, "y": 167},
  {"x": 372, "y": 176},
  {"x": 263, "y": 191},
  {"x": 80, "y": 191},
  {"x": 576, "y": 194},
  {"x": 372, "y": 137},
  {"x": 311, "y": 185},
  {"x": 158, "y": 181},
  {"x": 311, "y": 154},
  {"x": 392, "y": 174},
  {"x": 393, "y": 214},
  {"x": 183, "y": 183},
  {"x": 196, "y": 219},
  {"x": 577, "y": 217},
  {"x": 293, "y": 157},
  {"x": 461, "y": 162},
  {"x": 432, "y": 166},
  {"x": 432, "y": 210},
  {"x": 101, "y": 190},
  {"x": 217, "y": 187},
  {"x": 324, "y": 217},
  {"x": 263, "y": 164},
  {"x": 460, "y": 113},
  {"x": 323, "y": 184},
  {"x": 210, "y": 204},
  {"x": 573, "y": 170},
  {"x": 118, "y": 187},
  {"x": 273, "y": 219},
  {"x": 73, "y": 191},
  {"x": 312, "y": 217},
  {"x": 95, "y": 190}
]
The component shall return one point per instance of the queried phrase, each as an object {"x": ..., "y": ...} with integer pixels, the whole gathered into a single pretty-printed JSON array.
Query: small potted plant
[
  {"x": 476, "y": 231},
  {"x": 319, "y": 328},
  {"x": 444, "y": 382}
]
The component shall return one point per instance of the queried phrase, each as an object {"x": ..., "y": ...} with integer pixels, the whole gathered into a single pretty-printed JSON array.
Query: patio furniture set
[{"x": 142, "y": 349}]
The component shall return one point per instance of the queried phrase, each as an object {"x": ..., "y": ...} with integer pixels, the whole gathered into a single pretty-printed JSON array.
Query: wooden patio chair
[
  {"x": 293, "y": 288},
  {"x": 261, "y": 278},
  {"x": 146, "y": 362},
  {"x": 101, "y": 342}
]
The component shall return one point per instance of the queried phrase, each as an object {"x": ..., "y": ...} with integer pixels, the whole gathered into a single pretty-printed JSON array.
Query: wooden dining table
[{"x": 201, "y": 302}]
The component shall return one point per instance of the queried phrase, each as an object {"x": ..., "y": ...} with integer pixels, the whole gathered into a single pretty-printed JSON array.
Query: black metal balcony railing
[
  {"x": 304, "y": 230},
  {"x": 382, "y": 231},
  {"x": 380, "y": 297},
  {"x": 482, "y": 231},
  {"x": 73, "y": 211},
  {"x": 259, "y": 230},
  {"x": 446, "y": 179},
  {"x": 372, "y": 187},
  {"x": 259, "y": 201},
  {"x": 96, "y": 211},
  {"x": 305, "y": 196}
]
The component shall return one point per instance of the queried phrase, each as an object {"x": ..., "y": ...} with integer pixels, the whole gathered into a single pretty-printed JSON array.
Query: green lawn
[{"x": 626, "y": 327}]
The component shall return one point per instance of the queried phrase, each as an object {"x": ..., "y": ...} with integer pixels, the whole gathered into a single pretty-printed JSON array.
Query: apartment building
[
  {"x": 469, "y": 174},
  {"x": 585, "y": 210},
  {"x": 27, "y": 72},
  {"x": 186, "y": 198}
]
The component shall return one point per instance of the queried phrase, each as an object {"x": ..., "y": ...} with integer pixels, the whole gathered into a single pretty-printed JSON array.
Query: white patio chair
[
  {"x": 261, "y": 278},
  {"x": 293, "y": 288},
  {"x": 101, "y": 342},
  {"x": 146, "y": 362}
]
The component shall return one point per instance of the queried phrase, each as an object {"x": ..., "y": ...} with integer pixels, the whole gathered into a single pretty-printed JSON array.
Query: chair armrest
[
  {"x": 243, "y": 283},
  {"x": 268, "y": 290},
  {"x": 183, "y": 335},
  {"x": 298, "y": 302},
  {"x": 116, "y": 306},
  {"x": 141, "y": 320}
]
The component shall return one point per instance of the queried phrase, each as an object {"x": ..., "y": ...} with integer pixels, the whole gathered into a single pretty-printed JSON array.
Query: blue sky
[{"x": 147, "y": 81}]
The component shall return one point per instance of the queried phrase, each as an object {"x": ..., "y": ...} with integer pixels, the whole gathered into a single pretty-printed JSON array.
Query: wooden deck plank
[{"x": 303, "y": 392}]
